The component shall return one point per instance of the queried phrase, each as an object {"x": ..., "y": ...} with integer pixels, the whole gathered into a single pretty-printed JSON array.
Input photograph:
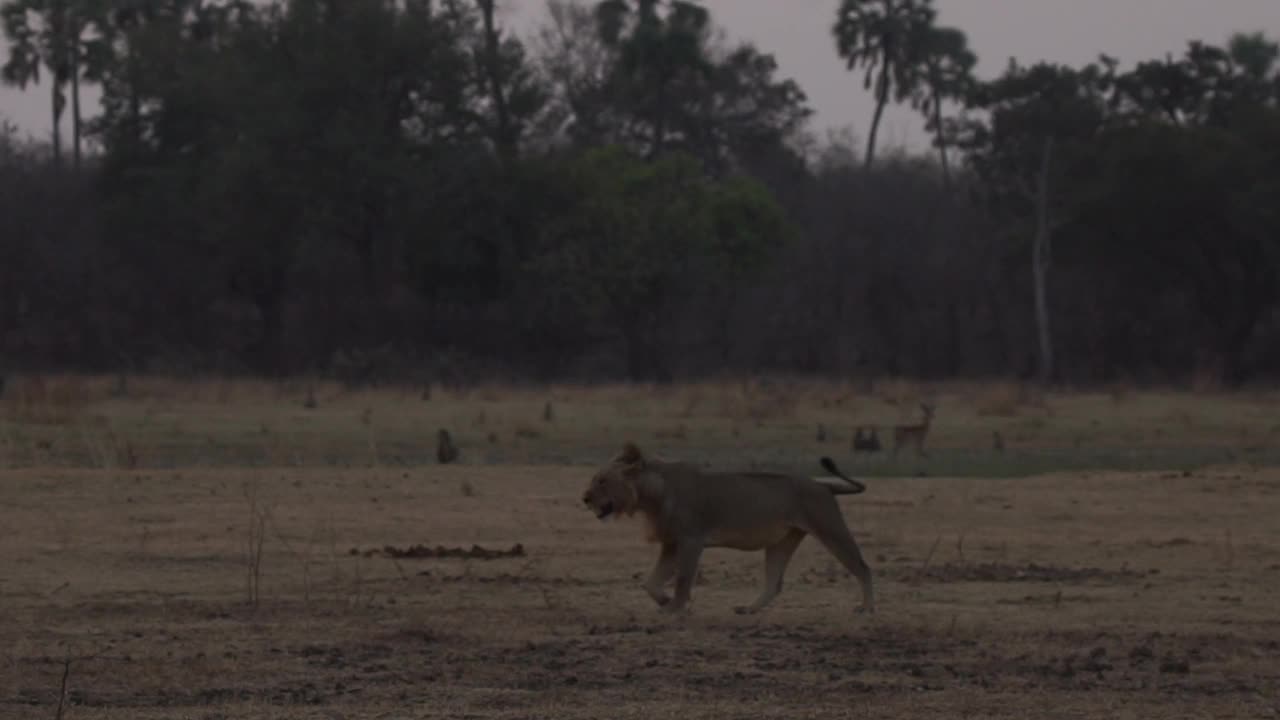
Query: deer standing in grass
[{"x": 913, "y": 434}]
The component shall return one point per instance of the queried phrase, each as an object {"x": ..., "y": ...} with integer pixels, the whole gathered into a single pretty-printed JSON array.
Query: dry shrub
[
  {"x": 770, "y": 408},
  {"x": 255, "y": 540},
  {"x": 527, "y": 432},
  {"x": 226, "y": 391},
  {"x": 166, "y": 388},
  {"x": 759, "y": 399},
  {"x": 292, "y": 387},
  {"x": 1033, "y": 396},
  {"x": 690, "y": 399},
  {"x": 690, "y": 402},
  {"x": 1180, "y": 417},
  {"x": 275, "y": 447},
  {"x": 1207, "y": 376},
  {"x": 837, "y": 395},
  {"x": 897, "y": 391},
  {"x": 105, "y": 448},
  {"x": 997, "y": 400},
  {"x": 1007, "y": 398},
  {"x": 229, "y": 391},
  {"x": 671, "y": 433},
  {"x": 1120, "y": 391},
  {"x": 593, "y": 394},
  {"x": 57, "y": 400}
]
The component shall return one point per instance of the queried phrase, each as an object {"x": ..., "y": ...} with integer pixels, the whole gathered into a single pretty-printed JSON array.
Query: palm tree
[
  {"x": 29, "y": 50},
  {"x": 48, "y": 34},
  {"x": 946, "y": 65},
  {"x": 883, "y": 36}
]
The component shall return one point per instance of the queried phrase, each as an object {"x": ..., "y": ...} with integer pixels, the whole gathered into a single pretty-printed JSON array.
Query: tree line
[{"x": 383, "y": 189}]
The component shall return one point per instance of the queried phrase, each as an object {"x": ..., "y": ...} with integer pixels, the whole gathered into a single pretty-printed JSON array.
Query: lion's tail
[{"x": 844, "y": 485}]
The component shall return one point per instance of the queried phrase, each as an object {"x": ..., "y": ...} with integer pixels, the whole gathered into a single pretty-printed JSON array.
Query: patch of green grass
[
  {"x": 761, "y": 424},
  {"x": 960, "y": 463}
]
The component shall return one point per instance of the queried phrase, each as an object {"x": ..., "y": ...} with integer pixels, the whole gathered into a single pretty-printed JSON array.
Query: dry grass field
[{"x": 217, "y": 550}]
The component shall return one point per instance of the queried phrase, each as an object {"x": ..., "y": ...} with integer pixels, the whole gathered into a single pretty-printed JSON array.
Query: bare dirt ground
[{"x": 1146, "y": 595}]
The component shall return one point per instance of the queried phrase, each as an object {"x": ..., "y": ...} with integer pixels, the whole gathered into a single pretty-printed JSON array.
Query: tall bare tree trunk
[
  {"x": 882, "y": 99},
  {"x": 58, "y": 102},
  {"x": 1041, "y": 260},
  {"x": 75, "y": 102},
  {"x": 135, "y": 97},
  {"x": 941, "y": 140}
]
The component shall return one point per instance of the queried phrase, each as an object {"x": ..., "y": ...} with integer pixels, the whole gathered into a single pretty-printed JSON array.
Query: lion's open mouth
[{"x": 605, "y": 511}]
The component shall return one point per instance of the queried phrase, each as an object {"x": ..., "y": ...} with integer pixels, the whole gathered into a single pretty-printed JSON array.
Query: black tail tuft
[{"x": 830, "y": 466}]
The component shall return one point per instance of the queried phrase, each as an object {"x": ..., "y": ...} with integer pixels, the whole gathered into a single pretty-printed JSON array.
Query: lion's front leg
[
  {"x": 663, "y": 571},
  {"x": 688, "y": 553}
]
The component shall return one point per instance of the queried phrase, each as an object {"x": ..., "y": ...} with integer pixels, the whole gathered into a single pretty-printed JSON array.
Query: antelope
[
  {"x": 913, "y": 434},
  {"x": 865, "y": 441}
]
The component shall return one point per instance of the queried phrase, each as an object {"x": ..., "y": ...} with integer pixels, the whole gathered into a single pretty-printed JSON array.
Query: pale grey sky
[{"x": 798, "y": 33}]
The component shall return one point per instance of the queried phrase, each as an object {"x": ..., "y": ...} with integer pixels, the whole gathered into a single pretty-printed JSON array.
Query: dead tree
[
  {"x": 1041, "y": 260},
  {"x": 446, "y": 451}
]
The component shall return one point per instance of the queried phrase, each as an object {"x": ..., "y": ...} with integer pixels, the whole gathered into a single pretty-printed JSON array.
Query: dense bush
[{"x": 283, "y": 187}]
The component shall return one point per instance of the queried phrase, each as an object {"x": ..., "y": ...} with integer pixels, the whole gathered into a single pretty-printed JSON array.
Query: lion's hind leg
[
  {"x": 776, "y": 557},
  {"x": 834, "y": 535}
]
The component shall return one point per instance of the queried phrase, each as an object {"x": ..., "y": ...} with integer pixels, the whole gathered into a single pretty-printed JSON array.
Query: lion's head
[{"x": 615, "y": 488}]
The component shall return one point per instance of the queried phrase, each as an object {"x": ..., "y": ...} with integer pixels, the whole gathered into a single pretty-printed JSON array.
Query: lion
[{"x": 687, "y": 510}]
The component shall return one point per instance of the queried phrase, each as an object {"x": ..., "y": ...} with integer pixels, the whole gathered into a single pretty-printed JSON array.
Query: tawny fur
[{"x": 687, "y": 510}]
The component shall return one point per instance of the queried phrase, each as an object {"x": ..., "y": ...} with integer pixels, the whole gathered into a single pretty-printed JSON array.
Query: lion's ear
[{"x": 630, "y": 455}]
